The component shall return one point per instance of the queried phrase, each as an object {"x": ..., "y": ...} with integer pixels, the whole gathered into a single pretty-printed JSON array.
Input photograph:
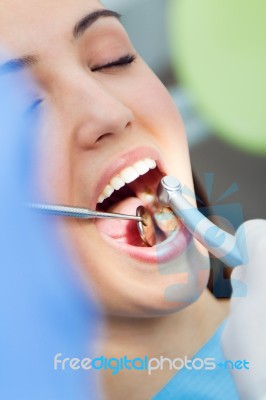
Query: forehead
[{"x": 27, "y": 24}]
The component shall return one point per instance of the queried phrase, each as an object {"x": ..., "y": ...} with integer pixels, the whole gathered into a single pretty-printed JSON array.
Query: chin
[
  {"x": 126, "y": 287},
  {"x": 173, "y": 286}
]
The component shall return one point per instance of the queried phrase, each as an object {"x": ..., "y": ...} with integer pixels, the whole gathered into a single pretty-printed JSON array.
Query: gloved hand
[
  {"x": 244, "y": 336},
  {"x": 44, "y": 309}
]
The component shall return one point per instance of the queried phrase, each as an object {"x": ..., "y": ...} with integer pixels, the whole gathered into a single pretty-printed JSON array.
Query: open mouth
[{"x": 134, "y": 186}]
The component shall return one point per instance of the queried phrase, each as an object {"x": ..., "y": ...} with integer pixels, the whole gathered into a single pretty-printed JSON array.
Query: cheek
[
  {"x": 53, "y": 164},
  {"x": 155, "y": 110},
  {"x": 152, "y": 104}
]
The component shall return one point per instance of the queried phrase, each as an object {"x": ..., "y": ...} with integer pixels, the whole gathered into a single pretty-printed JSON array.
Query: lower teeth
[
  {"x": 166, "y": 221},
  {"x": 159, "y": 227}
]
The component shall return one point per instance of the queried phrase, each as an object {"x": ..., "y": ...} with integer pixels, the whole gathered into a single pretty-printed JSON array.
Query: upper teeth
[{"x": 127, "y": 175}]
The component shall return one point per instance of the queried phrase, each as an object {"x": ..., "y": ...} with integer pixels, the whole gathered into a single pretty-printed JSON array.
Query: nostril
[{"x": 100, "y": 138}]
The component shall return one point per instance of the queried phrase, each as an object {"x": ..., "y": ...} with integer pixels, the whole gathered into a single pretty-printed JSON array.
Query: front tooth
[
  {"x": 108, "y": 190},
  {"x": 117, "y": 183},
  {"x": 101, "y": 199},
  {"x": 129, "y": 174},
  {"x": 150, "y": 163},
  {"x": 141, "y": 167}
]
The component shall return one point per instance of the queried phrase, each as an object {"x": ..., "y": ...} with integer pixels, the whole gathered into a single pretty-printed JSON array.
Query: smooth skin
[{"x": 91, "y": 114}]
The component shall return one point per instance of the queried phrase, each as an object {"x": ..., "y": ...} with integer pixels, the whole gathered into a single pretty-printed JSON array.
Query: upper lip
[{"x": 123, "y": 161}]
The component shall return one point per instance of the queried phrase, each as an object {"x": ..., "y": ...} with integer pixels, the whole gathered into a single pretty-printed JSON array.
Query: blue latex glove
[
  {"x": 43, "y": 308},
  {"x": 245, "y": 332}
]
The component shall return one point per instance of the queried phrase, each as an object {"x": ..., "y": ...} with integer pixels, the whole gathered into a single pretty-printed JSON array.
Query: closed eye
[{"x": 120, "y": 62}]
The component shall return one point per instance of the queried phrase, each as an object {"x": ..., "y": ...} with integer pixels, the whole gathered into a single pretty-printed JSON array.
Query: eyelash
[{"x": 119, "y": 63}]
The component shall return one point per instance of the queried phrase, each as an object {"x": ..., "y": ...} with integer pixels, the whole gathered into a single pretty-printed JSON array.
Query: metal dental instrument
[
  {"x": 78, "y": 212},
  {"x": 142, "y": 217},
  {"x": 146, "y": 229},
  {"x": 218, "y": 242}
]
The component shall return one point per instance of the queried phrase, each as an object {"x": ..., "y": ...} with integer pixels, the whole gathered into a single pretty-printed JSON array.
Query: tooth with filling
[{"x": 166, "y": 221}]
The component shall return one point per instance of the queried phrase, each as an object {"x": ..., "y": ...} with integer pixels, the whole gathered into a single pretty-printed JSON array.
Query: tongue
[{"x": 123, "y": 230}]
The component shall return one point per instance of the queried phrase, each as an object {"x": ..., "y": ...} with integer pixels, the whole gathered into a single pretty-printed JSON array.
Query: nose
[{"x": 97, "y": 110}]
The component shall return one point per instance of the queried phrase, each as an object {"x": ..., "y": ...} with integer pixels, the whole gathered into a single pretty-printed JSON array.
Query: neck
[
  {"x": 176, "y": 335},
  {"x": 182, "y": 332}
]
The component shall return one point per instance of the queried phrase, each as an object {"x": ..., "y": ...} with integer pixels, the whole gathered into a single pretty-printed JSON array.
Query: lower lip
[{"x": 166, "y": 251}]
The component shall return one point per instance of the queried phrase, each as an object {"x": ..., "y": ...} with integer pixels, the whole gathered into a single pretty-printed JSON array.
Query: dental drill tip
[
  {"x": 171, "y": 183},
  {"x": 168, "y": 185}
]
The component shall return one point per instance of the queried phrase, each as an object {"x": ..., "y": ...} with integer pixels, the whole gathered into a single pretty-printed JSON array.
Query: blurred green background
[{"x": 212, "y": 58}]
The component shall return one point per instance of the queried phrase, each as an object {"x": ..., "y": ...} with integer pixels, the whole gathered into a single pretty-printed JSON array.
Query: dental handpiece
[{"x": 218, "y": 242}]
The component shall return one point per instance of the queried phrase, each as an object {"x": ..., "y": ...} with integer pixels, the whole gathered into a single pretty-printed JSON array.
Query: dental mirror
[
  {"x": 143, "y": 218},
  {"x": 146, "y": 226}
]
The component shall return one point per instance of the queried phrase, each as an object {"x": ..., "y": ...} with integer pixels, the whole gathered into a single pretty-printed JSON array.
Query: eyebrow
[
  {"x": 18, "y": 64},
  {"x": 89, "y": 19}
]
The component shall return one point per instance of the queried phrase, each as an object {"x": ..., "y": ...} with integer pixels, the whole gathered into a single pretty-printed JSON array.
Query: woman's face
[{"x": 104, "y": 111}]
